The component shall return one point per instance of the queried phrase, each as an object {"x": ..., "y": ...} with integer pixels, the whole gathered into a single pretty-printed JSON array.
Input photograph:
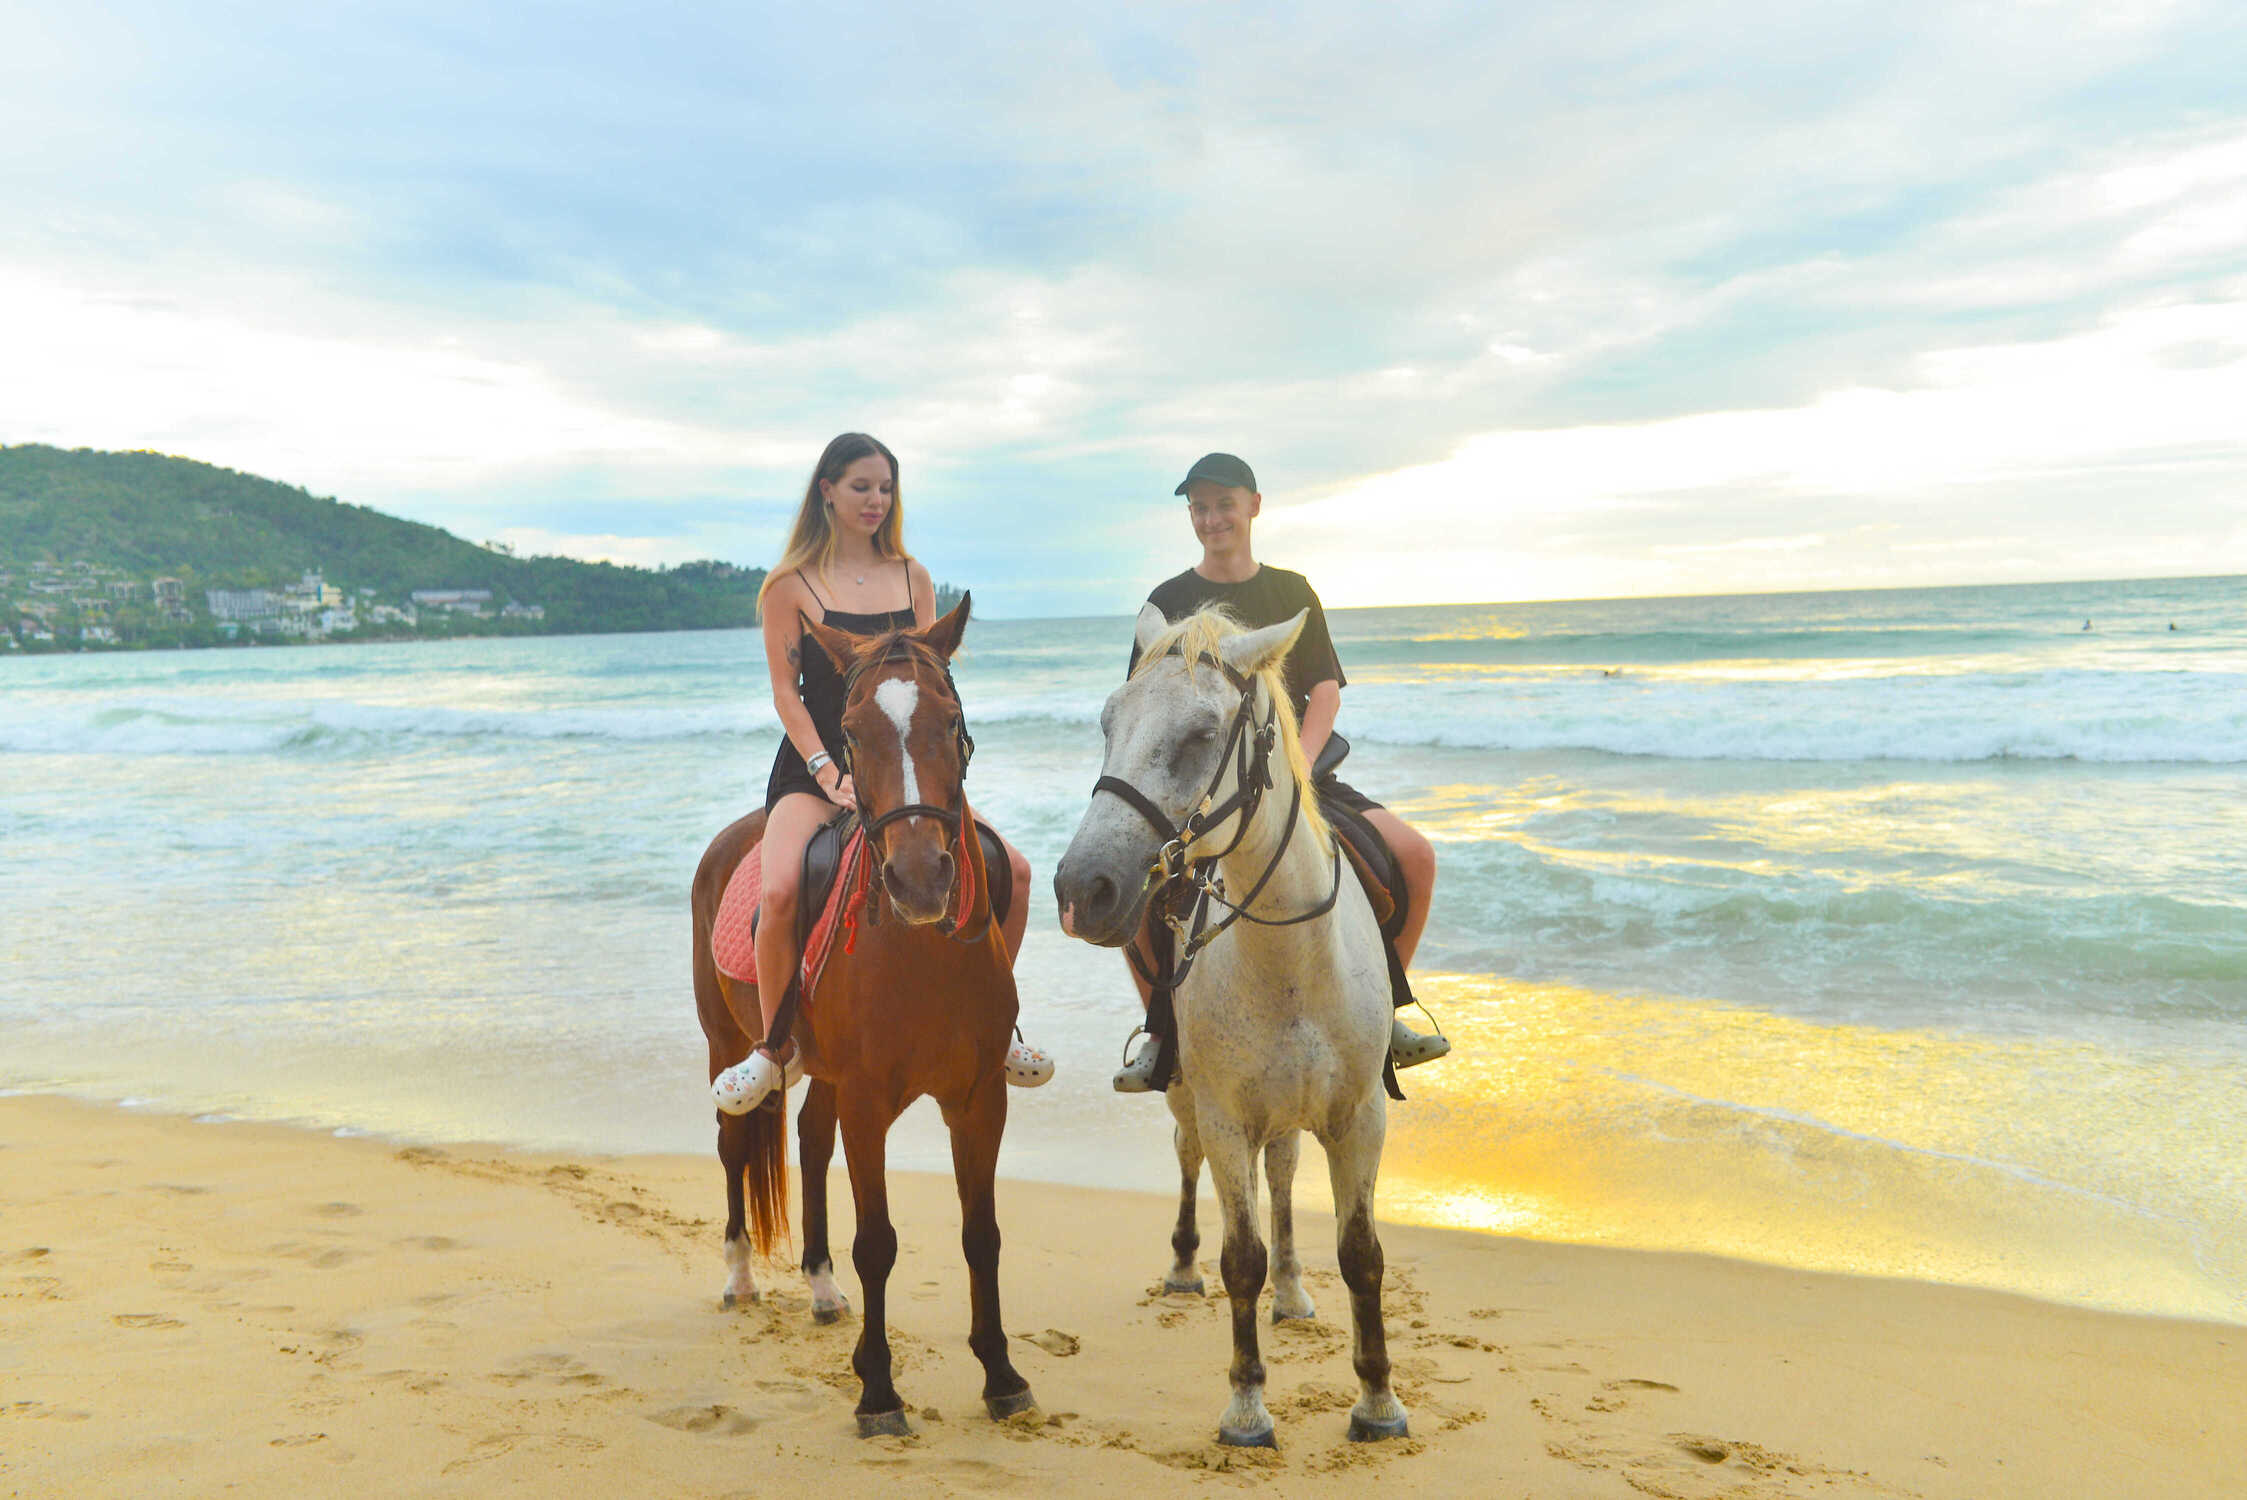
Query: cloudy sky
[{"x": 1502, "y": 301}]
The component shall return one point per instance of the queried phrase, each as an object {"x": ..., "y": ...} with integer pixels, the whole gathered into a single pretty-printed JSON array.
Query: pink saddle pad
[{"x": 733, "y": 942}]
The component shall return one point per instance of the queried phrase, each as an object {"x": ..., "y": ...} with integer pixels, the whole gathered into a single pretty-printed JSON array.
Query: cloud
[
  {"x": 1890, "y": 470},
  {"x": 615, "y": 278},
  {"x": 91, "y": 370}
]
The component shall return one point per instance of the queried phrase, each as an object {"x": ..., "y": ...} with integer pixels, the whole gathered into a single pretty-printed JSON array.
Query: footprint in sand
[
  {"x": 1053, "y": 1341},
  {"x": 1617, "y": 1393},
  {"x": 338, "y": 1210},
  {"x": 430, "y": 1242},
  {"x": 325, "y": 1258},
  {"x": 146, "y": 1320},
  {"x": 562, "y": 1369},
  {"x": 723, "y": 1421},
  {"x": 44, "y": 1413}
]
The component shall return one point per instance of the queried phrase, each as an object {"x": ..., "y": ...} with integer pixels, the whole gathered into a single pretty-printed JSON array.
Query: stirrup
[
  {"x": 1409, "y": 1048},
  {"x": 1026, "y": 1066},
  {"x": 1137, "y": 1075}
]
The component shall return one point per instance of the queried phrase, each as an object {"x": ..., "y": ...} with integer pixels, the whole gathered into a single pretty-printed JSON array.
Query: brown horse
[{"x": 922, "y": 1001}]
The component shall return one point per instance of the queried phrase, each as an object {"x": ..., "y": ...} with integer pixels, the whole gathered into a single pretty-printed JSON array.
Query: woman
[{"x": 846, "y": 566}]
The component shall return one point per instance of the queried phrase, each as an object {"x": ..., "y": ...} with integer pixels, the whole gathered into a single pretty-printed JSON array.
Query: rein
[{"x": 1247, "y": 752}]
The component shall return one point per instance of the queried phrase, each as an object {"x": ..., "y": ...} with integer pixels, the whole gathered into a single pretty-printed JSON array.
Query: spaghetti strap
[
  {"x": 905, "y": 565},
  {"x": 806, "y": 577}
]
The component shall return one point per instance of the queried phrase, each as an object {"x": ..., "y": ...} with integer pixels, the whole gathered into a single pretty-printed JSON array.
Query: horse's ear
[
  {"x": 840, "y": 645},
  {"x": 1254, "y": 650},
  {"x": 1152, "y": 622},
  {"x": 945, "y": 634}
]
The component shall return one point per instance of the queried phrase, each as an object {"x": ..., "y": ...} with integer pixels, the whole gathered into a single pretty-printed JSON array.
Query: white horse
[{"x": 1283, "y": 1019}]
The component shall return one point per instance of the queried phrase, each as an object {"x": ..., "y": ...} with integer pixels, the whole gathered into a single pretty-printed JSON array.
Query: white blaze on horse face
[{"x": 897, "y": 699}]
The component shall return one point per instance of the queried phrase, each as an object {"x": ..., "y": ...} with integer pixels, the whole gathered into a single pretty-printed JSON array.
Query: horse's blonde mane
[{"x": 1199, "y": 635}]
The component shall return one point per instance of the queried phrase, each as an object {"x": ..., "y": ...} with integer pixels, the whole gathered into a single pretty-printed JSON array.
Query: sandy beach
[{"x": 197, "y": 1308}]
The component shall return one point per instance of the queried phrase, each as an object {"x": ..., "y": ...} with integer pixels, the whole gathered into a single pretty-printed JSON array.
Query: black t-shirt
[{"x": 1266, "y": 597}]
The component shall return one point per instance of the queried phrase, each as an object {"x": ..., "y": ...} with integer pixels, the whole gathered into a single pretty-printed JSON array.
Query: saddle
[
  {"x": 826, "y": 904},
  {"x": 1375, "y": 863}
]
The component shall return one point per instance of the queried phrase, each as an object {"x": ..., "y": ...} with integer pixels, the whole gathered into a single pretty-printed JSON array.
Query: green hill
[{"x": 133, "y": 517}]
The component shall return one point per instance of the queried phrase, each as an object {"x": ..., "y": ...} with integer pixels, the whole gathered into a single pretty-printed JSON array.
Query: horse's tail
[
  {"x": 764, "y": 1176},
  {"x": 764, "y": 1171}
]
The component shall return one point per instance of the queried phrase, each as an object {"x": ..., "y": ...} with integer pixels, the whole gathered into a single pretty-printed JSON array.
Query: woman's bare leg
[
  {"x": 1017, "y": 919},
  {"x": 787, "y": 829}
]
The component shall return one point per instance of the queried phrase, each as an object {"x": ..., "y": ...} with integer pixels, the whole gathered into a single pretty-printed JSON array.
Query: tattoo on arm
[{"x": 796, "y": 657}]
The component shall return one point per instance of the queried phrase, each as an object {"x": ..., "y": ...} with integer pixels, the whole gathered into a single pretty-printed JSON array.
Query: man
[{"x": 1223, "y": 503}]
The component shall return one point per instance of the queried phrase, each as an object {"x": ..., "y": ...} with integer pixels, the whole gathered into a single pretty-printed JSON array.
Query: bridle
[
  {"x": 957, "y": 821},
  {"x": 1248, "y": 754}
]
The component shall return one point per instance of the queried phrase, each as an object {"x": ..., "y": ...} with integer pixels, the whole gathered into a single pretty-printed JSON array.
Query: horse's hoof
[
  {"x": 1266, "y": 1438},
  {"x": 826, "y": 1315},
  {"x": 883, "y": 1424},
  {"x": 1002, "y": 1407},
  {"x": 1281, "y": 1316},
  {"x": 1363, "y": 1431},
  {"x": 1195, "y": 1288},
  {"x": 729, "y": 1301}
]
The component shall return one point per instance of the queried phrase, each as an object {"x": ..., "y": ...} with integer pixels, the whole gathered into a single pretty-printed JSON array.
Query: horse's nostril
[{"x": 1100, "y": 896}]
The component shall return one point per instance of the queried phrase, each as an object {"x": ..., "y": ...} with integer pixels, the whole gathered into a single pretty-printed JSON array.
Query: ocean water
[{"x": 1894, "y": 932}]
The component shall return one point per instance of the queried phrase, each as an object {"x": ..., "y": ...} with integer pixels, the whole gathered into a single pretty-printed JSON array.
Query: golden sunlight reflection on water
[{"x": 1660, "y": 1124}]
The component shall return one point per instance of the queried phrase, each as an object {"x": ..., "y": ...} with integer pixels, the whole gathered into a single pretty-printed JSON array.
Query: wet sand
[{"x": 196, "y": 1308}]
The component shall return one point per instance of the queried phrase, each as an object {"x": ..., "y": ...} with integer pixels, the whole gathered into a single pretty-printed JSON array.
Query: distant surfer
[{"x": 2086, "y": 624}]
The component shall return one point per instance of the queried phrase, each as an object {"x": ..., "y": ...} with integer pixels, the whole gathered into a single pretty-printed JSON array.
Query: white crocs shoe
[
  {"x": 1026, "y": 1066},
  {"x": 1409, "y": 1048},
  {"x": 1137, "y": 1076},
  {"x": 745, "y": 1085}
]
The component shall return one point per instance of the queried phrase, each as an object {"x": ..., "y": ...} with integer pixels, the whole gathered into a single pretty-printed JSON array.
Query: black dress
[{"x": 820, "y": 687}]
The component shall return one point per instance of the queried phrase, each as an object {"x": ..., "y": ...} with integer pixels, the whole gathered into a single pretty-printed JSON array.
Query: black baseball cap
[{"x": 1219, "y": 468}]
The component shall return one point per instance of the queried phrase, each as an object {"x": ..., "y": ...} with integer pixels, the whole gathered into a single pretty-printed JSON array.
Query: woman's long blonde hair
[{"x": 811, "y": 540}]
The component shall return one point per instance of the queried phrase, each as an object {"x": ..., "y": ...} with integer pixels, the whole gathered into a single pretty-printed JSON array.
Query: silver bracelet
[{"x": 818, "y": 758}]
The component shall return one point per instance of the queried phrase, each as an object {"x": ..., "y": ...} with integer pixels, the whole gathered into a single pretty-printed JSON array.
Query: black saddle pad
[
  {"x": 823, "y": 857},
  {"x": 1362, "y": 836}
]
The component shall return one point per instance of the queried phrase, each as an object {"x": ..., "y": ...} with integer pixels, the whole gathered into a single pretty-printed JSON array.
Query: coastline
[{"x": 204, "y": 1305}]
